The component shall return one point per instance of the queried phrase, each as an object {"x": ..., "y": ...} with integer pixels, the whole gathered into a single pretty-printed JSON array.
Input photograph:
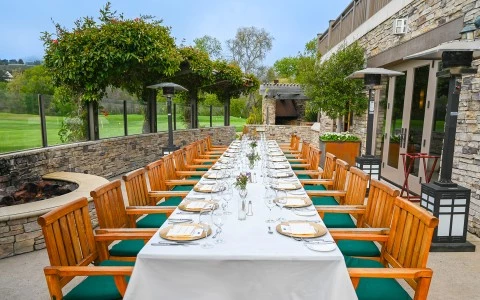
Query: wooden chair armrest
[
  {"x": 167, "y": 194},
  {"x": 301, "y": 166},
  {"x": 341, "y": 209},
  {"x": 316, "y": 181},
  {"x": 406, "y": 273},
  {"x": 125, "y": 230},
  {"x": 381, "y": 231},
  {"x": 145, "y": 210},
  {"x": 200, "y": 160},
  {"x": 70, "y": 271},
  {"x": 112, "y": 236},
  {"x": 210, "y": 156},
  {"x": 190, "y": 173},
  {"x": 326, "y": 193},
  {"x": 297, "y": 160},
  {"x": 197, "y": 166},
  {"x": 358, "y": 236},
  {"x": 308, "y": 172},
  {"x": 181, "y": 182}
]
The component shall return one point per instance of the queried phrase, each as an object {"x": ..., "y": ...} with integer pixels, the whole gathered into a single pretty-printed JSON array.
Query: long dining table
[{"x": 252, "y": 263}]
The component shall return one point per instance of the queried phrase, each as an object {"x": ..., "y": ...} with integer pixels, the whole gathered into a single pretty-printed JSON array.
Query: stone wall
[
  {"x": 25, "y": 235},
  {"x": 106, "y": 158},
  {"x": 466, "y": 162},
  {"x": 268, "y": 110},
  {"x": 283, "y": 133}
]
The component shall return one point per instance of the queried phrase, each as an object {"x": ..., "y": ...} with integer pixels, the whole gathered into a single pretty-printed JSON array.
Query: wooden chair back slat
[
  {"x": 110, "y": 205},
  {"x": 156, "y": 175},
  {"x": 329, "y": 166},
  {"x": 305, "y": 150},
  {"x": 341, "y": 172},
  {"x": 136, "y": 187},
  {"x": 356, "y": 187},
  {"x": 410, "y": 237},
  {"x": 314, "y": 158},
  {"x": 190, "y": 154},
  {"x": 381, "y": 197},
  {"x": 179, "y": 158},
  {"x": 169, "y": 165},
  {"x": 68, "y": 235}
]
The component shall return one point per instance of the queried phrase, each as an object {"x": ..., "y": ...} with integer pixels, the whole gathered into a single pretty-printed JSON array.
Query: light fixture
[
  {"x": 169, "y": 90},
  {"x": 445, "y": 199},
  {"x": 372, "y": 77}
]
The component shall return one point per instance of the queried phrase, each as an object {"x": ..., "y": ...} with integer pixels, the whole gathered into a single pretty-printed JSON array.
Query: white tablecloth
[{"x": 251, "y": 264}]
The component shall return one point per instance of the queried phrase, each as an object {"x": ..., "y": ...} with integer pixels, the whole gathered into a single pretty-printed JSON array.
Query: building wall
[
  {"x": 424, "y": 16},
  {"x": 268, "y": 110}
]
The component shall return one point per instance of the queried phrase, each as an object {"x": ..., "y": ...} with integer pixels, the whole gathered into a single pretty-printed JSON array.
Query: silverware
[
  {"x": 180, "y": 220},
  {"x": 216, "y": 233},
  {"x": 174, "y": 243},
  {"x": 270, "y": 230}
]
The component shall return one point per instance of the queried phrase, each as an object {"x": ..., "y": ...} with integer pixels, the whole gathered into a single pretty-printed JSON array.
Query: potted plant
[
  {"x": 252, "y": 157},
  {"x": 344, "y": 145}
]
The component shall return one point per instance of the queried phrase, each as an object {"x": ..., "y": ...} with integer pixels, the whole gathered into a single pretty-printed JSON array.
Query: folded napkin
[
  {"x": 213, "y": 175},
  {"x": 199, "y": 205},
  {"x": 295, "y": 201},
  {"x": 184, "y": 231},
  {"x": 282, "y": 174},
  {"x": 286, "y": 186},
  {"x": 298, "y": 228},
  {"x": 277, "y": 159}
]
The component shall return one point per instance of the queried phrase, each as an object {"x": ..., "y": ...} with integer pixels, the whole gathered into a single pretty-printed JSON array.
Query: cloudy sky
[{"x": 292, "y": 23}]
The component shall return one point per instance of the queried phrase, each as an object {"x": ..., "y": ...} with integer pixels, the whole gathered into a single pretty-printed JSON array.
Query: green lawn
[{"x": 22, "y": 131}]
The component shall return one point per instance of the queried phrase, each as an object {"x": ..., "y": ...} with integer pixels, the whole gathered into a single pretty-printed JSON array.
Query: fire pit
[{"x": 36, "y": 191}]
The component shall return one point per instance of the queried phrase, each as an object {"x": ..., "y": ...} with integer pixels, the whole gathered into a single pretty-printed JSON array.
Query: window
[{"x": 400, "y": 26}]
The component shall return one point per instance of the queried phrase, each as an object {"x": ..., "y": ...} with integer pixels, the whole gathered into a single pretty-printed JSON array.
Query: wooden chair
[
  {"x": 337, "y": 184},
  {"x": 301, "y": 159},
  {"x": 291, "y": 144},
  {"x": 205, "y": 153},
  {"x": 139, "y": 195},
  {"x": 404, "y": 255},
  {"x": 180, "y": 168},
  {"x": 212, "y": 147},
  {"x": 376, "y": 214},
  {"x": 72, "y": 249},
  {"x": 112, "y": 213},
  {"x": 190, "y": 156},
  {"x": 160, "y": 175},
  {"x": 294, "y": 148},
  {"x": 327, "y": 172}
]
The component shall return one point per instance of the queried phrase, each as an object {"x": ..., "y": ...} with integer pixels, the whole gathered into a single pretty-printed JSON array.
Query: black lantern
[
  {"x": 448, "y": 201},
  {"x": 169, "y": 89},
  {"x": 372, "y": 77}
]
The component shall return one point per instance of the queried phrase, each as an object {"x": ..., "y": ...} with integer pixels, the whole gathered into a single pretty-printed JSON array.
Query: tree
[
  {"x": 249, "y": 47},
  {"x": 34, "y": 80},
  {"x": 326, "y": 86},
  {"x": 287, "y": 67},
  {"x": 211, "y": 45},
  {"x": 20, "y": 61},
  {"x": 124, "y": 53}
]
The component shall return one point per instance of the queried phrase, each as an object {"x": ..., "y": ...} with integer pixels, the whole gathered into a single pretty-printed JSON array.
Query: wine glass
[
  {"x": 204, "y": 219},
  {"x": 218, "y": 219},
  {"x": 270, "y": 203},
  {"x": 281, "y": 202},
  {"x": 227, "y": 196}
]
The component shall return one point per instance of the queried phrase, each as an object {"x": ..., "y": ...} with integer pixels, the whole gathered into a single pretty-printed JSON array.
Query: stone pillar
[{"x": 268, "y": 110}]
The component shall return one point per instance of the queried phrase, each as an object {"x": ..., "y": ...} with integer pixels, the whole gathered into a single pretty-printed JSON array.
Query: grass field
[{"x": 22, "y": 131}]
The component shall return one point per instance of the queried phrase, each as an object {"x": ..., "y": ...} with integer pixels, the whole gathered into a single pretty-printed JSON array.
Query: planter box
[{"x": 346, "y": 151}]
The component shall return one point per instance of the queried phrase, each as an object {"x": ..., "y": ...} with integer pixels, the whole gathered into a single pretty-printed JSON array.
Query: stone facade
[
  {"x": 268, "y": 111},
  {"x": 283, "y": 133},
  {"x": 25, "y": 235},
  {"x": 106, "y": 158}
]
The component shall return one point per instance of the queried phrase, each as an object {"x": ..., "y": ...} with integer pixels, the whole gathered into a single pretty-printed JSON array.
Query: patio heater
[
  {"x": 372, "y": 77},
  {"x": 448, "y": 201},
  {"x": 169, "y": 89}
]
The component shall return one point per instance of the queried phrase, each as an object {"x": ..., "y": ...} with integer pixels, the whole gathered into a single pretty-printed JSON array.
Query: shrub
[{"x": 339, "y": 137}]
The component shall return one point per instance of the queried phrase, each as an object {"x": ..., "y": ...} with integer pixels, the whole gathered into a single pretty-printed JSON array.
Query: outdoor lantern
[
  {"x": 369, "y": 163},
  {"x": 169, "y": 89},
  {"x": 445, "y": 199}
]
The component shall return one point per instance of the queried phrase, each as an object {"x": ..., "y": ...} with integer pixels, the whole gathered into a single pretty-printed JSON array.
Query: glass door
[{"x": 407, "y": 128}]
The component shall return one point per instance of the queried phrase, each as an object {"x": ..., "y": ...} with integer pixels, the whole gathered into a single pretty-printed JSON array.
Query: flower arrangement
[
  {"x": 253, "y": 144},
  {"x": 252, "y": 157},
  {"x": 339, "y": 137},
  {"x": 241, "y": 181},
  {"x": 395, "y": 139}
]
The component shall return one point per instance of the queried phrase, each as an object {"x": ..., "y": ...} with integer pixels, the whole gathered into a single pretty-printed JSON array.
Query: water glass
[
  {"x": 218, "y": 219},
  {"x": 205, "y": 220}
]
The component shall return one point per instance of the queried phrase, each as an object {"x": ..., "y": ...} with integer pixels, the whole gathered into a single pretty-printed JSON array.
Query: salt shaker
[{"x": 250, "y": 208}]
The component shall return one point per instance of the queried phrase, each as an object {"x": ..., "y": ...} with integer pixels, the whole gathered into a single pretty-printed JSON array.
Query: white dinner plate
[{"x": 321, "y": 247}]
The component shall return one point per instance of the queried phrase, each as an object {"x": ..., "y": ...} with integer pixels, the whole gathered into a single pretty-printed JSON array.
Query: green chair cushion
[
  {"x": 172, "y": 201},
  {"x": 152, "y": 221},
  {"x": 183, "y": 188},
  {"x": 207, "y": 163},
  {"x": 328, "y": 200},
  {"x": 314, "y": 187},
  {"x": 98, "y": 287},
  {"x": 294, "y": 162},
  {"x": 127, "y": 248},
  {"x": 332, "y": 220},
  {"x": 358, "y": 248},
  {"x": 376, "y": 288},
  {"x": 201, "y": 169},
  {"x": 304, "y": 176},
  {"x": 195, "y": 177}
]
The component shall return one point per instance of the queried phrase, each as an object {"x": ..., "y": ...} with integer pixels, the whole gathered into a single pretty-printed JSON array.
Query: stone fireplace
[{"x": 283, "y": 104}]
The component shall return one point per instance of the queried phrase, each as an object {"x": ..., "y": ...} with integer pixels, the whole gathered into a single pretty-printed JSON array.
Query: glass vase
[{"x": 242, "y": 204}]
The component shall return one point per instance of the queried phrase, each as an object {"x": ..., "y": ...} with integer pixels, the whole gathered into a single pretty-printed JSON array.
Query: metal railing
[
  {"x": 356, "y": 13},
  {"x": 30, "y": 121}
]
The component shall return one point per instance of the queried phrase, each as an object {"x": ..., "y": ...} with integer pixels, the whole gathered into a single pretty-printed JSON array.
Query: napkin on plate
[
  {"x": 206, "y": 188},
  {"x": 295, "y": 201},
  {"x": 286, "y": 186},
  {"x": 298, "y": 228},
  {"x": 196, "y": 204},
  {"x": 184, "y": 231}
]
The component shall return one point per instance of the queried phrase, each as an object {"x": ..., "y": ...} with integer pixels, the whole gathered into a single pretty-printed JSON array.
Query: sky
[{"x": 291, "y": 23}]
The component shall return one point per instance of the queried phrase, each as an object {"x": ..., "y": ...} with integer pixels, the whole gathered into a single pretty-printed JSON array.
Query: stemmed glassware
[
  {"x": 205, "y": 219},
  {"x": 270, "y": 203},
  {"x": 218, "y": 219},
  {"x": 281, "y": 202},
  {"x": 227, "y": 196}
]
